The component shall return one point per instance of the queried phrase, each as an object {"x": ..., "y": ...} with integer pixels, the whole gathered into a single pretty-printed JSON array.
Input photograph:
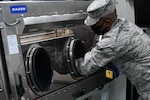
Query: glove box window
[{"x": 58, "y": 55}]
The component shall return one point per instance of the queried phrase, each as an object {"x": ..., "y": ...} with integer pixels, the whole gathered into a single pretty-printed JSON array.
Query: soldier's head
[{"x": 101, "y": 15}]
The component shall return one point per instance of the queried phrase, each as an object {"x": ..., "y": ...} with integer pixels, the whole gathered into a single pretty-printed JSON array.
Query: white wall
[{"x": 125, "y": 9}]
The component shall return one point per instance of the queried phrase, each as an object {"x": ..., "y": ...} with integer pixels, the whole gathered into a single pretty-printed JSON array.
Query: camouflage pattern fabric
[{"x": 128, "y": 47}]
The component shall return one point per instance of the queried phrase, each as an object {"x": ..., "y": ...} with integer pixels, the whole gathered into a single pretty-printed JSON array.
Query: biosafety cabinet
[{"x": 39, "y": 43}]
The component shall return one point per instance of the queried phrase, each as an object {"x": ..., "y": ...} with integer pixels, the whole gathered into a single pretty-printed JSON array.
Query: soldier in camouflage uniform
[{"x": 123, "y": 43}]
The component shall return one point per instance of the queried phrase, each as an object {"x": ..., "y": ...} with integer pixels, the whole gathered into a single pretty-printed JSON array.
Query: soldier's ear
[{"x": 108, "y": 22}]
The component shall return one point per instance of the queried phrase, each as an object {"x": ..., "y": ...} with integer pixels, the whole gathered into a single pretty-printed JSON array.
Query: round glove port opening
[
  {"x": 73, "y": 50},
  {"x": 38, "y": 68}
]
